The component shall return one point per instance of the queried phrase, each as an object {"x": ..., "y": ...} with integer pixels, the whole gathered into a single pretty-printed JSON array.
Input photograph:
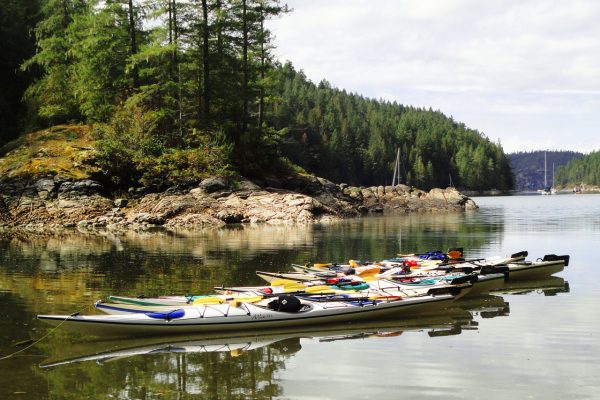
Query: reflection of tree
[
  {"x": 15, "y": 327},
  {"x": 383, "y": 237},
  {"x": 212, "y": 375}
]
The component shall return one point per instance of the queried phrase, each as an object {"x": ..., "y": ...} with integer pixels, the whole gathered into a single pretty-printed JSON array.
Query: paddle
[
  {"x": 455, "y": 252},
  {"x": 215, "y": 300}
]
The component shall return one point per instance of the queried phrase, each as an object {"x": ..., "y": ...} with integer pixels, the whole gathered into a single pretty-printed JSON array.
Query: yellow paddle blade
[
  {"x": 353, "y": 263},
  {"x": 319, "y": 289},
  {"x": 326, "y": 265},
  {"x": 370, "y": 278},
  {"x": 368, "y": 270},
  {"x": 207, "y": 300},
  {"x": 292, "y": 289},
  {"x": 283, "y": 282}
]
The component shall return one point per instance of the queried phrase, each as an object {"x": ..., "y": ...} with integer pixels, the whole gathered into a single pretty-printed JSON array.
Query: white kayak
[
  {"x": 248, "y": 295},
  {"x": 242, "y": 316},
  {"x": 549, "y": 265},
  {"x": 546, "y": 266},
  {"x": 378, "y": 289}
]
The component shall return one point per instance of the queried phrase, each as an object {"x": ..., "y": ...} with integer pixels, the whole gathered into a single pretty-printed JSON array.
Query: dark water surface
[{"x": 533, "y": 340}]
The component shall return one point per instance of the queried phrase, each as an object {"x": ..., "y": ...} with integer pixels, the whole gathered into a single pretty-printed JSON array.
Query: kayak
[
  {"x": 242, "y": 316},
  {"x": 100, "y": 351},
  {"x": 421, "y": 262},
  {"x": 385, "y": 290},
  {"x": 549, "y": 265},
  {"x": 416, "y": 287},
  {"x": 249, "y": 295},
  {"x": 294, "y": 276}
]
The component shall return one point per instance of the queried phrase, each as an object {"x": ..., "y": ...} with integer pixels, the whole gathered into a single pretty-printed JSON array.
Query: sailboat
[{"x": 547, "y": 189}]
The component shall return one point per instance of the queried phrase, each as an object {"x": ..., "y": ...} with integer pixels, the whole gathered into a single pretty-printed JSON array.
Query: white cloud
[{"x": 526, "y": 72}]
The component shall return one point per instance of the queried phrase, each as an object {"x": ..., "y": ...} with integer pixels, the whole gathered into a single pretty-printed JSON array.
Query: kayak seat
[{"x": 169, "y": 315}]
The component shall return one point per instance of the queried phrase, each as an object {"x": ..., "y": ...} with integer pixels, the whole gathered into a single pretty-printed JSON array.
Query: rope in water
[{"x": 40, "y": 339}]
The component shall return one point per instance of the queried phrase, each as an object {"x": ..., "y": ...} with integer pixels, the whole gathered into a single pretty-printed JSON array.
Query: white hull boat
[
  {"x": 226, "y": 317},
  {"x": 537, "y": 269}
]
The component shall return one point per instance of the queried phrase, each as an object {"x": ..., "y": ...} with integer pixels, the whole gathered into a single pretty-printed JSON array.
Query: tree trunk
[
  {"x": 175, "y": 64},
  {"x": 175, "y": 32},
  {"x": 244, "y": 68},
  {"x": 133, "y": 44},
  {"x": 206, "y": 64}
]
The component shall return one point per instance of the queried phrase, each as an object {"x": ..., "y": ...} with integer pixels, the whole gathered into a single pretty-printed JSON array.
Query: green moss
[{"x": 62, "y": 151}]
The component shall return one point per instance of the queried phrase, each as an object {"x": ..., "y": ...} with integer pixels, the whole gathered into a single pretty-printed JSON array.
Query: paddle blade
[
  {"x": 319, "y": 289},
  {"x": 284, "y": 283},
  {"x": 207, "y": 300},
  {"x": 455, "y": 252},
  {"x": 367, "y": 270},
  {"x": 293, "y": 289}
]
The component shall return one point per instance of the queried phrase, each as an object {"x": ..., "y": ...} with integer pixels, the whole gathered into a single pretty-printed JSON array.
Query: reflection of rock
[{"x": 298, "y": 199}]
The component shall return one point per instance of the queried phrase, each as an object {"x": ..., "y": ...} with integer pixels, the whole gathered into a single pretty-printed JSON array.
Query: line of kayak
[
  {"x": 452, "y": 321},
  {"x": 315, "y": 294}
]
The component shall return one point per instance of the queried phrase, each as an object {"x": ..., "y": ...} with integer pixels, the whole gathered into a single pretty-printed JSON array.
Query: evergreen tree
[
  {"x": 51, "y": 94},
  {"x": 17, "y": 44},
  {"x": 170, "y": 77}
]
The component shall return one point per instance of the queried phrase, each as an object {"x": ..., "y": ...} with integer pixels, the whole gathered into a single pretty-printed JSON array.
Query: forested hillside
[
  {"x": 528, "y": 167},
  {"x": 176, "y": 90},
  {"x": 584, "y": 170},
  {"x": 346, "y": 137}
]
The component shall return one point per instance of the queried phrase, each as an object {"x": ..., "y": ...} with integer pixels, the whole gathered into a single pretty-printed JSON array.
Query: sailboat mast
[
  {"x": 396, "y": 172},
  {"x": 545, "y": 179},
  {"x": 398, "y": 163}
]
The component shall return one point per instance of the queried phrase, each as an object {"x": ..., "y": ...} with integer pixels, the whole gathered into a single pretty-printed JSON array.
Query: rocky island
[
  {"x": 49, "y": 180},
  {"x": 85, "y": 204}
]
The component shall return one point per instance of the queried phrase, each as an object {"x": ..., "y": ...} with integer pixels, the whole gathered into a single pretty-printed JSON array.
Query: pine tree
[{"x": 51, "y": 94}]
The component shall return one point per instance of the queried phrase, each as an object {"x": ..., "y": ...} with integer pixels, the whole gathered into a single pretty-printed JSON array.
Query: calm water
[{"x": 535, "y": 340}]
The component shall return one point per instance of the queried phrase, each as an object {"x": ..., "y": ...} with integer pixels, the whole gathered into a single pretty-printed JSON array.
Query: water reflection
[
  {"x": 232, "y": 365},
  {"x": 548, "y": 286},
  {"x": 221, "y": 367},
  {"x": 61, "y": 273}
]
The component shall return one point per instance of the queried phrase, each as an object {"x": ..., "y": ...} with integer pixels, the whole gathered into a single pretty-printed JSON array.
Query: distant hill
[
  {"x": 528, "y": 167},
  {"x": 582, "y": 171}
]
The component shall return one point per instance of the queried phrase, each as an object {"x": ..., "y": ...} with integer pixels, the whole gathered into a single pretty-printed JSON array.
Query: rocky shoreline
[{"x": 87, "y": 205}]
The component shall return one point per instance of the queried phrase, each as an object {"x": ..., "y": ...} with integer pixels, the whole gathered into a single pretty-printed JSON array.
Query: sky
[{"x": 524, "y": 72}]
